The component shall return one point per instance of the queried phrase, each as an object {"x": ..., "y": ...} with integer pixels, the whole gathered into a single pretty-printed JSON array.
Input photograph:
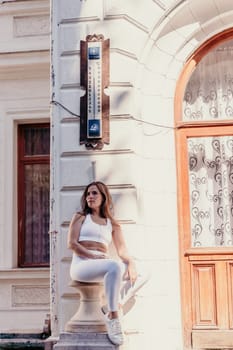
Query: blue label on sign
[
  {"x": 93, "y": 53},
  {"x": 94, "y": 128}
]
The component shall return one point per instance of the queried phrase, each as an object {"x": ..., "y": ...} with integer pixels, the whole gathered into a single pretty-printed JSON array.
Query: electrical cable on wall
[{"x": 56, "y": 103}]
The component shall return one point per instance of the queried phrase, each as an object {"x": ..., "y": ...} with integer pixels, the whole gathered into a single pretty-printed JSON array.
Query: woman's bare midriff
[{"x": 92, "y": 245}]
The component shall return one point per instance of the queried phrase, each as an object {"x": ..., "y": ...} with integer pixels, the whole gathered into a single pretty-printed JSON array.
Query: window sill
[{"x": 25, "y": 273}]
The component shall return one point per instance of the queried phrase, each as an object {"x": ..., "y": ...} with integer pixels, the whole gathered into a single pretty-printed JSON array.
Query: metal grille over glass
[
  {"x": 33, "y": 194},
  {"x": 36, "y": 213},
  {"x": 211, "y": 190},
  {"x": 209, "y": 92}
]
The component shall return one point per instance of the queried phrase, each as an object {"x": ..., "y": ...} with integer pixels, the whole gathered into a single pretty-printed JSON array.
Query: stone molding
[
  {"x": 26, "y": 7},
  {"x": 24, "y": 64},
  {"x": 31, "y": 25},
  {"x": 25, "y": 295}
]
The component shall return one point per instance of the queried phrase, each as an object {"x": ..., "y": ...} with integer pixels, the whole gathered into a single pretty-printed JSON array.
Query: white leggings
[{"x": 108, "y": 271}]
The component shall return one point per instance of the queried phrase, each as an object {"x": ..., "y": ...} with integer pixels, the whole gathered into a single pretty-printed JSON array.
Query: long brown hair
[{"x": 106, "y": 208}]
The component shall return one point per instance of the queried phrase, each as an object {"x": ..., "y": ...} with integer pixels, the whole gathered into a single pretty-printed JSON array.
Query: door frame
[{"x": 182, "y": 131}]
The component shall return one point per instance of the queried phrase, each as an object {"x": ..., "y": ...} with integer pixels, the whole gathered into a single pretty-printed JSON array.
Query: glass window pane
[
  {"x": 209, "y": 92},
  {"x": 211, "y": 190},
  {"x": 36, "y": 141},
  {"x": 36, "y": 245}
]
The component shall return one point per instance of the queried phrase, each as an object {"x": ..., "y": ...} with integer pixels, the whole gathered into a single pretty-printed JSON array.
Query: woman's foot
[{"x": 114, "y": 330}]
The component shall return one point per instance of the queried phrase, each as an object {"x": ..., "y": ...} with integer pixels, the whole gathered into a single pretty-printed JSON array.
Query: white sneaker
[
  {"x": 128, "y": 290},
  {"x": 114, "y": 330}
]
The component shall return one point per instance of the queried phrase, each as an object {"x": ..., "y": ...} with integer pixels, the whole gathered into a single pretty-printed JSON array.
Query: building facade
[
  {"x": 25, "y": 90},
  {"x": 166, "y": 157},
  {"x": 167, "y": 162}
]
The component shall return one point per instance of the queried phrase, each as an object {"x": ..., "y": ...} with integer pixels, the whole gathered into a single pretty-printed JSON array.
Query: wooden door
[{"x": 205, "y": 201}]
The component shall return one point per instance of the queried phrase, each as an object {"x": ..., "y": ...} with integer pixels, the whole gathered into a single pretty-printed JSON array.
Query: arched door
[{"x": 204, "y": 137}]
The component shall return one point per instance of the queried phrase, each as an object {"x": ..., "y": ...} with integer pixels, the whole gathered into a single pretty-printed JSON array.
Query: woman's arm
[
  {"x": 73, "y": 237},
  {"x": 123, "y": 253}
]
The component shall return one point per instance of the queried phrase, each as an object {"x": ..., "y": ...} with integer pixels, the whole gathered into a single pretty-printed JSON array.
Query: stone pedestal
[
  {"x": 89, "y": 317},
  {"x": 84, "y": 341},
  {"x": 86, "y": 330}
]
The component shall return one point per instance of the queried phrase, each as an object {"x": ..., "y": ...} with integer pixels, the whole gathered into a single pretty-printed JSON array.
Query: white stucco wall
[{"x": 149, "y": 44}]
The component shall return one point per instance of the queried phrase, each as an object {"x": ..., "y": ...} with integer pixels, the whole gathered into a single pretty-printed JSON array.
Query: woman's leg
[
  {"x": 100, "y": 270},
  {"x": 109, "y": 272},
  {"x": 118, "y": 290}
]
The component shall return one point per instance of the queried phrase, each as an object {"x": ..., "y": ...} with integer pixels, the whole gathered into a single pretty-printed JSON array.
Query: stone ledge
[
  {"x": 21, "y": 343},
  {"x": 12, "y": 7},
  {"x": 26, "y": 273}
]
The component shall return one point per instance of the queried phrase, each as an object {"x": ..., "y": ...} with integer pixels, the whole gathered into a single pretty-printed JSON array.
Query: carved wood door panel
[{"x": 212, "y": 303}]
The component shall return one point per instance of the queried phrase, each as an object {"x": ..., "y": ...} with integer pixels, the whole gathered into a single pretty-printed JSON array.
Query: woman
[{"x": 90, "y": 233}]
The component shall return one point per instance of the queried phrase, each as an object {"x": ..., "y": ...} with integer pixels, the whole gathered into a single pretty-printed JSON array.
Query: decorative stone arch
[
  {"x": 165, "y": 61},
  {"x": 196, "y": 39},
  {"x": 179, "y": 33}
]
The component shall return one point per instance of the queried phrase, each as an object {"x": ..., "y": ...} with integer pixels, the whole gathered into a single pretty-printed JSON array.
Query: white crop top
[{"x": 91, "y": 231}]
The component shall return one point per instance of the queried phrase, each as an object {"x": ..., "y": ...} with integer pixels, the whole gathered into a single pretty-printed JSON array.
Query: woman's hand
[
  {"x": 97, "y": 256},
  {"x": 119, "y": 242},
  {"x": 131, "y": 272}
]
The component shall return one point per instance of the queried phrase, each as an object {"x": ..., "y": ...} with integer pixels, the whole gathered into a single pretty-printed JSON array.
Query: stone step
[
  {"x": 84, "y": 341},
  {"x": 83, "y": 346}
]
